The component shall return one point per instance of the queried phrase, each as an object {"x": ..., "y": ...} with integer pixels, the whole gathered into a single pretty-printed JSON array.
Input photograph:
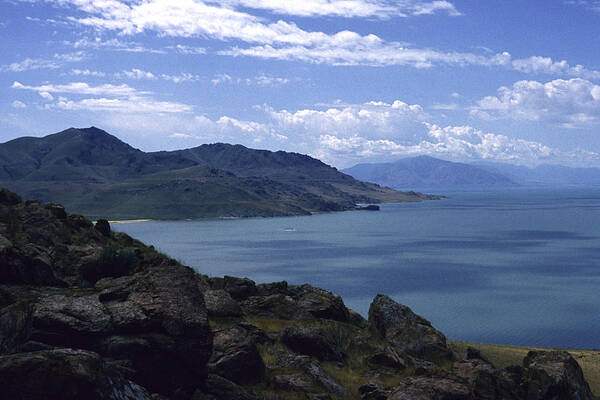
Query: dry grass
[{"x": 503, "y": 356}]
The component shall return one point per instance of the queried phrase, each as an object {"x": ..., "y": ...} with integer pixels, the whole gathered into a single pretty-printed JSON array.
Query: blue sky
[{"x": 346, "y": 81}]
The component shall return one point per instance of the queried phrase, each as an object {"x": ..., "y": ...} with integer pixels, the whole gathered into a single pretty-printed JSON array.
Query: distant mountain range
[
  {"x": 424, "y": 172},
  {"x": 431, "y": 173},
  {"x": 93, "y": 173}
]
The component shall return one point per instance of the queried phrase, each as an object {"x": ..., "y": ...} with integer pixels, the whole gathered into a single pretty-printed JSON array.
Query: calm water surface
[{"x": 518, "y": 267}]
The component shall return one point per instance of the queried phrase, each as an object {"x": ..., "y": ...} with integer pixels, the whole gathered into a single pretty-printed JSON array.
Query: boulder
[
  {"x": 64, "y": 374},
  {"x": 485, "y": 381},
  {"x": 311, "y": 341},
  {"x": 406, "y": 330},
  {"x": 219, "y": 303},
  {"x": 239, "y": 288},
  {"x": 235, "y": 355},
  {"x": 9, "y": 198},
  {"x": 554, "y": 375},
  {"x": 319, "y": 302}
]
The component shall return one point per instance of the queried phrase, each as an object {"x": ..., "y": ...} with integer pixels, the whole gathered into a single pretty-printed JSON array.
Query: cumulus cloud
[
  {"x": 87, "y": 72},
  {"x": 180, "y": 78},
  {"x": 370, "y": 118},
  {"x": 571, "y": 103},
  {"x": 459, "y": 143}
]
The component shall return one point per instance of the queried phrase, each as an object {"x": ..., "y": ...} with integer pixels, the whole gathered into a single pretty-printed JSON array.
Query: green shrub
[{"x": 111, "y": 263}]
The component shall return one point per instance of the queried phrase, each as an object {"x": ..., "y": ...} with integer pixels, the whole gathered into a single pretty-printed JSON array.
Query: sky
[{"x": 346, "y": 81}]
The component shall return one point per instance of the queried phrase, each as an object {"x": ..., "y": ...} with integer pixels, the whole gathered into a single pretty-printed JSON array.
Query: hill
[
  {"x": 96, "y": 174},
  {"x": 428, "y": 172}
]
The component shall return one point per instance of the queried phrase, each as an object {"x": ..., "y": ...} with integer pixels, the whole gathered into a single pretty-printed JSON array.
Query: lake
[{"x": 515, "y": 267}]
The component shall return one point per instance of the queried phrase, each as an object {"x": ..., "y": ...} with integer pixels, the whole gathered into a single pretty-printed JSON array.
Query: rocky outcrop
[
  {"x": 89, "y": 313},
  {"x": 406, "y": 331},
  {"x": 64, "y": 374},
  {"x": 554, "y": 375},
  {"x": 235, "y": 355}
]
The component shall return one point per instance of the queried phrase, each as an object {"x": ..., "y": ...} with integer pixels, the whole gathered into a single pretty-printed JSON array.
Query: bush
[{"x": 111, "y": 263}]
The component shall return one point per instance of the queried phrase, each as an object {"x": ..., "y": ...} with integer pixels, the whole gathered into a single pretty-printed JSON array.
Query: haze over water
[{"x": 516, "y": 267}]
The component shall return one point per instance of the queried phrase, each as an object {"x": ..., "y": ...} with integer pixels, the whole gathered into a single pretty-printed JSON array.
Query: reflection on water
[{"x": 516, "y": 267}]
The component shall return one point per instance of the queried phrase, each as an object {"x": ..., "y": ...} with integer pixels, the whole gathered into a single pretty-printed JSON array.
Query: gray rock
[
  {"x": 554, "y": 375},
  {"x": 293, "y": 383},
  {"x": 312, "y": 341},
  {"x": 64, "y": 374},
  {"x": 239, "y": 288},
  {"x": 406, "y": 330},
  {"x": 319, "y": 302},
  {"x": 235, "y": 355},
  {"x": 219, "y": 303}
]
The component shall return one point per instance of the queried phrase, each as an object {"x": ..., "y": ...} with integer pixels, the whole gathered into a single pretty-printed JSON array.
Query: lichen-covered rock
[
  {"x": 312, "y": 369},
  {"x": 103, "y": 227},
  {"x": 372, "y": 391},
  {"x": 15, "y": 327},
  {"x": 219, "y": 303},
  {"x": 64, "y": 374},
  {"x": 406, "y": 330},
  {"x": 235, "y": 355},
  {"x": 273, "y": 306},
  {"x": 311, "y": 341},
  {"x": 485, "y": 381},
  {"x": 554, "y": 375},
  {"x": 319, "y": 302}
]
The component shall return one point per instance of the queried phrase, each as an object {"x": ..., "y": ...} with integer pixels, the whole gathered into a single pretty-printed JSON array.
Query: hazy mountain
[
  {"x": 428, "y": 172},
  {"x": 546, "y": 175},
  {"x": 94, "y": 173}
]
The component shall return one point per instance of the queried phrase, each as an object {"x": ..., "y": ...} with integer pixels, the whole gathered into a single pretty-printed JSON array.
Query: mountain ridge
[{"x": 98, "y": 175}]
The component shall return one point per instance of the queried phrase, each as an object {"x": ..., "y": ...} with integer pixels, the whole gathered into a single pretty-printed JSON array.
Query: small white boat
[{"x": 289, "y": 229}]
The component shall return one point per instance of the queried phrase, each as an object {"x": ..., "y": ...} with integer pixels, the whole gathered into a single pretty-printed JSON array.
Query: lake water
[{"x": 516, "y": 267}]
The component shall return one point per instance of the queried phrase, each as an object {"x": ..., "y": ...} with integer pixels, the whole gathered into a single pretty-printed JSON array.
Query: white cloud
[
  {"x": 260, "y": 80},
  {"x": 349, "y": 8},
  {"x": 46, "y": 95},
  {"x": 284, "y": 40},
  {"x": 29, "y": 64},
  {"x": 458, "y": 143},
  {"x": 83, "y": 88},
  {"x": 369, "y": 119},
  {"x": 136, "y": 73},
  {"x": 571, "y": 103},
  {"x": 183, "y": 49},
  {"x": 112, "y": 98},
  {"x": 111, "y": 44},
  {"x": 180, "y": 78},
  {"x": 87, "y": 72},
  {"x": 593, "y": 5},
  {"x": 18, "y": 104},
  {"x": 131, "y": 105}
]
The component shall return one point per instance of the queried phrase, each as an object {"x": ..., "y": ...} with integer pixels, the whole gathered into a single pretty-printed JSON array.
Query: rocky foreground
[{"x": 86, "y": 313}]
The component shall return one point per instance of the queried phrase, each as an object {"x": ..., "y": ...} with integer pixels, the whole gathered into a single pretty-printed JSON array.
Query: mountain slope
[
  {"x": 424, "y": 172},
  {"x": 96, "y": 174}
]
